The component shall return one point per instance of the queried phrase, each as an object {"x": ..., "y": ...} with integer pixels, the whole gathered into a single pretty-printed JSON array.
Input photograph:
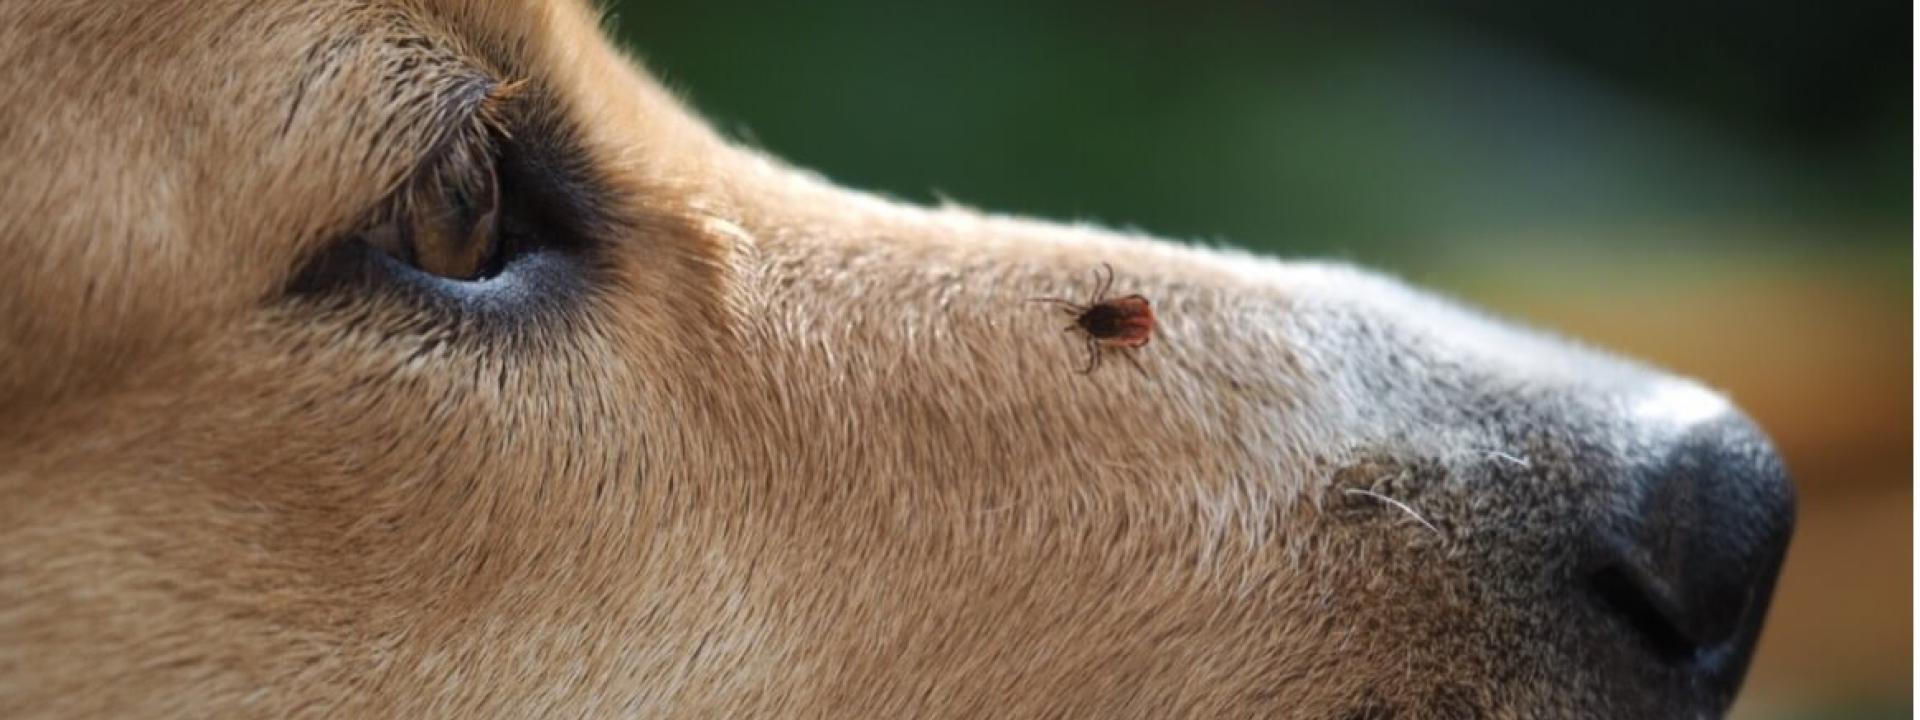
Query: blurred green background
[{"x": 1721, "y": 188}]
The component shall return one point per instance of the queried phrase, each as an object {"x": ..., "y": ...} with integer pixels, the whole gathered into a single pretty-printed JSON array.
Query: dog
[{"x": 427, "y": 358}]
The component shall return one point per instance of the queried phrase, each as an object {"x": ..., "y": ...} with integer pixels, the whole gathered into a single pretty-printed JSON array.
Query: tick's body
[{"x": 1121, "y": 323}]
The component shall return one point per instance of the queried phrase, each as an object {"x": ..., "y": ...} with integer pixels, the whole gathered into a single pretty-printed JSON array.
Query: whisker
[
  {"x": 1520, "y": 461},
  {"x": 1396, "y": 503}
]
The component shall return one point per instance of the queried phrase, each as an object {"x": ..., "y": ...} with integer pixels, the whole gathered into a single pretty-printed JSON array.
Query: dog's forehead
[
  {"x": 188, "y": 153},
  {"x": 295, "y": 112}
]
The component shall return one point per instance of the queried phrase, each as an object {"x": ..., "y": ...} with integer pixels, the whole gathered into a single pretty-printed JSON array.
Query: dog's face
[{"x": 389, "y": 357}]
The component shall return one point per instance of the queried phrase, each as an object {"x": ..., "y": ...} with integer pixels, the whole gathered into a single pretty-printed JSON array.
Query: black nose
[{"x": 1692, "y": 568}]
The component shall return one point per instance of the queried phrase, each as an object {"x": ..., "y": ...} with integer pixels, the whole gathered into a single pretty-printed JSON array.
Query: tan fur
[{"x": 800, "y": 452}]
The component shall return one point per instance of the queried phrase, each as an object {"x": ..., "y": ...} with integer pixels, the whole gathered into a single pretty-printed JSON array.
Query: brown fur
[{"x": 790, "y": 450}]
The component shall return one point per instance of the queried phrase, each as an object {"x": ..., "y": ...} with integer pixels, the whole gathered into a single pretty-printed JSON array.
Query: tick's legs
[
  {"x": 1128, "y": 354},
  {"x": 1093, "y": 356},
  {"x": 1101, "y": 284},
  {"x": 1090, "y": 345}
]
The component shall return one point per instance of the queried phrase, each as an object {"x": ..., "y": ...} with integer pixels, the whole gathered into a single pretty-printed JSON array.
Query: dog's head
[{"x": 411, "y": 356}]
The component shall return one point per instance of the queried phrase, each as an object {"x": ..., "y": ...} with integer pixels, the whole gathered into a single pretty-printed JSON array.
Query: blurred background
[{"x": 1721, "y": 188}]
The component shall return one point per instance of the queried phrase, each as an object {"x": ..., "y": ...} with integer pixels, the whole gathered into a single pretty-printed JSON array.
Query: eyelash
[
  {"x": 473, "y": 147},
  {"x": 454, "y": 197},
  {"x": 487, "y": 125}
]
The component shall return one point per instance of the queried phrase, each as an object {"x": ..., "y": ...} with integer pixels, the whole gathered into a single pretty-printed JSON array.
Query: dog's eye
[
  {"x": 446, "y": 221},
  {"x": 496, "y": 215}
]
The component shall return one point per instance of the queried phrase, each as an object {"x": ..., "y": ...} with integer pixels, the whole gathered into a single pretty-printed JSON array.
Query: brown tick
[{"x": 1121, "y": 323}]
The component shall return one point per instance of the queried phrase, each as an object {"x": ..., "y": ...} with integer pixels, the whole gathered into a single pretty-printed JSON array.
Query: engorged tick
[{"x": 1121, "y": 323}]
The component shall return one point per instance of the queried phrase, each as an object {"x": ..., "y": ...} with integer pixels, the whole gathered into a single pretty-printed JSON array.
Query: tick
[{"x": 1121, "y": 323}]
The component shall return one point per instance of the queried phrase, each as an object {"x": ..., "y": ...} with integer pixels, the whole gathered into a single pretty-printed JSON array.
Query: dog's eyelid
[{"x": 444, "y": 218}]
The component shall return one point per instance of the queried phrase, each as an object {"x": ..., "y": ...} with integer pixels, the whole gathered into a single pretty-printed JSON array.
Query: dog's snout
[{"x": 1690, "y": 569}]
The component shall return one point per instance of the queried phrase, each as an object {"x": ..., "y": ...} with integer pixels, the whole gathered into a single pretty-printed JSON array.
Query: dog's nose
[{"x": 1690, "y": 568}]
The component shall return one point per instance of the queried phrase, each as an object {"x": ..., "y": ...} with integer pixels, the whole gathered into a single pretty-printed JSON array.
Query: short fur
[{"x": 780, "y": 450}]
